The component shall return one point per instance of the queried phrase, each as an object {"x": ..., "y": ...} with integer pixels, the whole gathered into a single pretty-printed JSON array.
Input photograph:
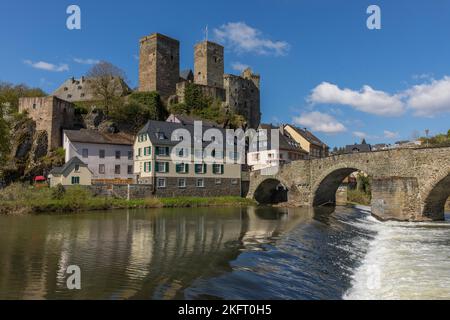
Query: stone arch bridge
[{"x": 407, "y": 184}]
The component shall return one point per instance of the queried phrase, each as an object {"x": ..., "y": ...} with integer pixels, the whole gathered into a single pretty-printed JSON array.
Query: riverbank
[{"x": 17, "y": 200}]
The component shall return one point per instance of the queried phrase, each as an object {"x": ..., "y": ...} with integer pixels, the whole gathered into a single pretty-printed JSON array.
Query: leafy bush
[{"x": 58, "y": 192}]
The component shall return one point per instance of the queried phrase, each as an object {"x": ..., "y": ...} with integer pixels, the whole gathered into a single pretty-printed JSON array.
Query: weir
[{"x": 407, "y": 184}]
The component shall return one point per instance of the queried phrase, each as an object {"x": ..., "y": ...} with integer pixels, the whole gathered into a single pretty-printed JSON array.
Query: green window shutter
[
  {"x": 186, "y": 168},
  {"x": 204, "y": 168},
  {"x": 157, "y": 150},
  {"x": 150, "y": 151},
  {"x": 167, "y": 166},
  {"x": 150, "y": 166},
  {"x": 167, "y": 151},
  {"x": 177, "y": 168},
  {"x": 221, "y": 169},
  {"x": 145, "y": 151},
  {"x": 139, "y": 152}
]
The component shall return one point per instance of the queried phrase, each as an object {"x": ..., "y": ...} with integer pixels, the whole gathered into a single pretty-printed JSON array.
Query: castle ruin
[
  {"x": 51, "y": 115},
  {"x": 159, "y": 71}
]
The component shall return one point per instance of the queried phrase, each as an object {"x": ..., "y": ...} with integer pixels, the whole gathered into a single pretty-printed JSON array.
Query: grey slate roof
[
  {"x": 67, "y": 165},
  {"x": 153, "y": 128},
  {"x": 94, "y": 136},
  {"x": 187, "y": 75},
  {"x": 358, "y": 148}
]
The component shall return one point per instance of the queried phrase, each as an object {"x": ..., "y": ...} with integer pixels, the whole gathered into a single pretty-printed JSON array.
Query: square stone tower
[
  {"x": 208, "y": 64},
  {"x": 159, "y": 64}
]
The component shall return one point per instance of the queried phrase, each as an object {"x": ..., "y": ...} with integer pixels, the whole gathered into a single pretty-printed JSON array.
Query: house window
[
  {"x": 181, "y": 183},
  {"x": 101, "y": 168},
  {"x": 102, "y": 154},
  {"x": 162, "y": 151},
  {"x": 160, "y": 135},
  {"x": 161, "y": 182},
  {"x": 130, "y": 155},
  {"x": 130, "y": 170},
  {"x": 182, "y": 168},
  {"x": 147, "y": 166},
  {"x": 200, "y": 183},
  {"x": 82, "y": 95},
  {"x": 162, "y": 167},
  {"x": 180, "y": 152},
  {"x": 77, "y": 168},
  {"x": 147, "y": 151},
  {"x": 117, "y": 169},
  {"x": 75, "y": 180},
  {"x": 139, "y": 152},
  {"x": 85, "y": 153},
  {"x": 217, "y": 168},
  {"x": 117, "y": 155},
  {"x": 200, "y": 168}
]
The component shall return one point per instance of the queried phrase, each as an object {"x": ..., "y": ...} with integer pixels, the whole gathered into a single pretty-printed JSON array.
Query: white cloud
[
  {"x": 86, "y": 61},
  {"x": 366, "y": 100},
  {"x": 243, "y": 38},
  {"x": 239, "y": 66},
  {"x": 360, "y": 134},
  {"x": 430, "y": 99},
  {"x": 390, "y": 134},
  {"x": 320, "y": 122},
  {"x": 42, "y": 65}
]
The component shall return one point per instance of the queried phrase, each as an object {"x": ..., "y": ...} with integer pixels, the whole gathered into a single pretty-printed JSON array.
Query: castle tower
[
  {"x": 249, "y": 75},
  {"x": 159, "y": 64},
  {"x": 208, "y": 64}
]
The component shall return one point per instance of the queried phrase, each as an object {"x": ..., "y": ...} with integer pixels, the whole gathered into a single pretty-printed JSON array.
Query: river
[{"x": 224, "y": 253}]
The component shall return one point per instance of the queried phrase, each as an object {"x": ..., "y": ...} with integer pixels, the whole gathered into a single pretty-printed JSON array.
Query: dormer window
[{"x": 160, "y": 135}]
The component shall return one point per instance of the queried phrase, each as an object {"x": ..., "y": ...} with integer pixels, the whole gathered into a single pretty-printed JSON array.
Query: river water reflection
[{"x": 200, "y": 253}]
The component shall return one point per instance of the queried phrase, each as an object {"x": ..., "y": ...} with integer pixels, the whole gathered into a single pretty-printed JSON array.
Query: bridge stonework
[{"x": 407, "y": 184}]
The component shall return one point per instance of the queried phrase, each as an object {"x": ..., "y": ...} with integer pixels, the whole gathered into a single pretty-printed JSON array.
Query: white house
[
  {"x": 109, "y": 156},
  {"x": 74, "y": 172},
  {"x": 263, "y": 155}
]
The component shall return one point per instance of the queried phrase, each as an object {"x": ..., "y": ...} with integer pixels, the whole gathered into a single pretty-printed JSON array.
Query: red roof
[{"x": 39, "y": 178}]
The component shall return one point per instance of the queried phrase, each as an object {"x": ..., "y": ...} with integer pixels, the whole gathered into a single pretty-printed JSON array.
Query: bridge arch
[
  {"x": 326, "y": 185},
  {"x": 436, "y": 197},
  {"x": 271, "y": 190}
]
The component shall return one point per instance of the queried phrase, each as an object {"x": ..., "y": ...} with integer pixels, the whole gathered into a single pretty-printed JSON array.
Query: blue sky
[{"x": 320, "y": 66}]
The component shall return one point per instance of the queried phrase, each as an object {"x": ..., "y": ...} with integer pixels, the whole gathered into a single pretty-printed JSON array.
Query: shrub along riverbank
[{"x": 20, "y": 199}]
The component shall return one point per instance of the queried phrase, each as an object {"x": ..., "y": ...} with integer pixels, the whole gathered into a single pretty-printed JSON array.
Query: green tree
[
  {"x": 10, "y": 94},
  {"x": 106, "y": 83},
  {"x": 4, "y": 138},
  {"x": 194, "y": 97}
]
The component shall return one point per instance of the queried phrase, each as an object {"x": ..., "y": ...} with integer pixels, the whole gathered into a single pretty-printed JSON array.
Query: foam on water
[{"x": 403, "y": 261}]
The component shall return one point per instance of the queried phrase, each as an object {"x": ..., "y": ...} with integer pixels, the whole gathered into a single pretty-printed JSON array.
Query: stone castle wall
[
  {"x": 159, "y": 64},
  {"x": 51, "y": 115},
  {"x": 208, "y": 64},
  {"x": 243, "y": 97}
]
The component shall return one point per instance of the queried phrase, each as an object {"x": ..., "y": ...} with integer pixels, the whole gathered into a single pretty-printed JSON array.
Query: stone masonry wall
[
  {"x": 243, "y": 97},
  {"x": 51, "y": 114},
  {"x": 139, "y": 191},
  {"x": 208, "y": 64},
  {"x": 159, "y": 64}
]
